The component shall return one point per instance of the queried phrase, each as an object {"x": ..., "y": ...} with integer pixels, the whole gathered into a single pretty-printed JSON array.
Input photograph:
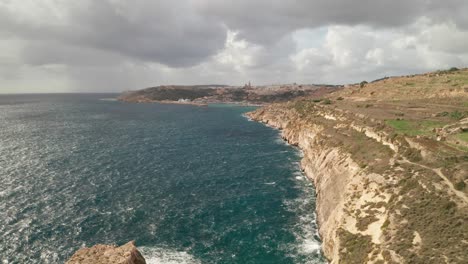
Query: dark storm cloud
[
  {"x": 263, "y": 21},
  {"x": 185, "y": 33},
  {"x": 157, "y": 31}
]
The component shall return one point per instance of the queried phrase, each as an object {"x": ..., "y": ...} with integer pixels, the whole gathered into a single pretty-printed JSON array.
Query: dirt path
[
  {"x": 450, "y": 184},
  {"x": 438, "y": 171}
]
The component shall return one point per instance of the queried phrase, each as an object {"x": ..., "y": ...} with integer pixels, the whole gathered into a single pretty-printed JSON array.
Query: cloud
[
  {"x": 114, "y": 45},
  {"x": 263, "y": 21},
  {"x": 354, "y": 53},
  {"x": 149, "y": 31}
]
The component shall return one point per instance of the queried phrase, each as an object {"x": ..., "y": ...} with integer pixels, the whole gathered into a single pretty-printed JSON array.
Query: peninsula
[{"x": 246, "y": 95}]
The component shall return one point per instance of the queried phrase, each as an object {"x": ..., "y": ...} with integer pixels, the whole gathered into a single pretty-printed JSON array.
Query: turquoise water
[{"x": 189, "y": 184}]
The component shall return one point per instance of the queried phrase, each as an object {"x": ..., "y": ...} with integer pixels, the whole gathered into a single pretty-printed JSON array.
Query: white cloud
[
  {"x": 354, "y": 53},
  {"x": 237, "y": 54}
]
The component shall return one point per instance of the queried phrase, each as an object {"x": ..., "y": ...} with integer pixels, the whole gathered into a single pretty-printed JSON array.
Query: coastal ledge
[{"x": 105, "y": 254}]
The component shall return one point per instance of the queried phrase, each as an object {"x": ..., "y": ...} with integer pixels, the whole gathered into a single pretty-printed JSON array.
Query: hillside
[
  {"x": 203, "y": 94},
  {"x": 389, "y": 160}
]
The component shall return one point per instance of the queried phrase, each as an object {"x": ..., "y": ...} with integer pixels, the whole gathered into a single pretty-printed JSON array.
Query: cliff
[
  {"x": 104, "y": 254},
  {"x": 386, "y": 193}
]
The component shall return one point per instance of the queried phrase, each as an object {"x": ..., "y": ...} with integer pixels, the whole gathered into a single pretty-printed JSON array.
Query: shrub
[
  {"x": 327, "y": 101},
  {"x": 458, "y": 115},
  {"x": 413, "y": 155},
  {"x": 385, "y": 224},
  {"x": 364, "y": 222},
  {"x": 453, "y": 69},
  {"x": 441, "y": 114},
  {"x": 355, "y": 247},
  {"x": 363, "y": 83},
  {"x": 339, "y": 98},
  {"x": 460, "y": 185}
]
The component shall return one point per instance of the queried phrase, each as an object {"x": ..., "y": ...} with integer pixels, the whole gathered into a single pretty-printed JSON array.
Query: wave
[
  {"x": 159, "y": 255},
  {"x": 305, "y": 230},
  {"x": 248, "y": 117}
]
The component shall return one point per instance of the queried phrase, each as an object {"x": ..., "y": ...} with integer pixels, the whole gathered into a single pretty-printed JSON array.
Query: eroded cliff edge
[{"x": 383, "y": 196}]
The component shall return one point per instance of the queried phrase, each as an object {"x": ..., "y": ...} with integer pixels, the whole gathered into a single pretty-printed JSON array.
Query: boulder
[{"x": 105, "y": 254}]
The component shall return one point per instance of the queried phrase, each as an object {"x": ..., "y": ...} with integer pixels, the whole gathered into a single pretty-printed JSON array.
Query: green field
[
  {"x": 463, "y": 136},
  {"x": 414, "y": 127}
]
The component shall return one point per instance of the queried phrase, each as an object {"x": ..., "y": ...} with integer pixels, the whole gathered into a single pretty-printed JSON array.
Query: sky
[{"x": 119, "y": 45}]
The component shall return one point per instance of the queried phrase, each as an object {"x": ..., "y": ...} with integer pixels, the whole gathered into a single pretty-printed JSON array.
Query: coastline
[
  {"x": 272, "y": 123},
  {"x": 369, "y": 185},
  {"x": 147, "y": 101},
  {"x": 338, "y": 181},
  {"x": 304, "y": 175},
  {"x": 196, "y": 103}
]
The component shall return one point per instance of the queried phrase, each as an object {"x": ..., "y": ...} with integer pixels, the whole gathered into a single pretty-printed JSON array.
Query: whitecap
[
  {"x": 247, "y": 117},
  {"x": 310, "y": 246},
  {"x": 158, "y": 255},
  {"x": 280, "y": 140}
]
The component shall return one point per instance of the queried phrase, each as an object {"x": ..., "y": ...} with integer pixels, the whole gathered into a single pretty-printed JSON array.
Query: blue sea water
[{"x": 189, "y": 184}]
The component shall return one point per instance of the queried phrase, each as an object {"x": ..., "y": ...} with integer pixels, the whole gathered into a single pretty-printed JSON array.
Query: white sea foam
[
  {"x": 305, "y": 229},
  {"x": 248, "y": 118},
  {"x": 280, "y": 140},
  {"x": 157, "y": 255},
  {"x": 310, "y": 246}
]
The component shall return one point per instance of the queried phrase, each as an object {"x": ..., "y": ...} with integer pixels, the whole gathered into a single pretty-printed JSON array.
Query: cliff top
[{"x": 438, "y": 85}]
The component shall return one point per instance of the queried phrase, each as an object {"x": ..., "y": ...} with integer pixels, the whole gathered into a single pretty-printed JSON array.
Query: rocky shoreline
[{"x": 318, "y": 164}]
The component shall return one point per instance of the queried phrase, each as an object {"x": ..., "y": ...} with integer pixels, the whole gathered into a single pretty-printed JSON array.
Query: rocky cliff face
[
  {"x": 104, "y": 254},
  {"x": 330, "y": 169},
  {"x": 368, "y": 186}
]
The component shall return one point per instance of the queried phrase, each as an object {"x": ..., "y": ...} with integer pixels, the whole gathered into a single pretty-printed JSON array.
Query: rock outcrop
[{"x": 105, "y": 254}]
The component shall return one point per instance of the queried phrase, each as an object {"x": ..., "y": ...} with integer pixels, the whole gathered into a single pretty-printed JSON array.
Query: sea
[{"x": 188, "y": 184}]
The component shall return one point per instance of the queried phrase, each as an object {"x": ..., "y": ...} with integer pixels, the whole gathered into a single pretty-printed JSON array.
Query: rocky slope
[
  {"x": 384, "y": 195},
  {"x": 104, "y": 254}
]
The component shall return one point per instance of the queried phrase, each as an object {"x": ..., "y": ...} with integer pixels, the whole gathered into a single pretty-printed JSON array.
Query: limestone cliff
[
  {"x": 377, "y": 201},
  {"x": 104, "y": 254}
]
